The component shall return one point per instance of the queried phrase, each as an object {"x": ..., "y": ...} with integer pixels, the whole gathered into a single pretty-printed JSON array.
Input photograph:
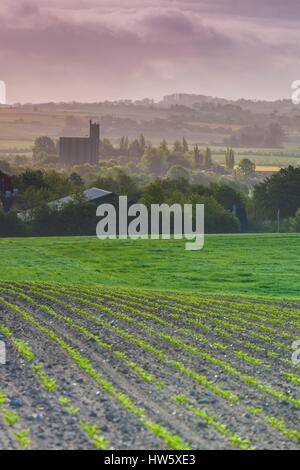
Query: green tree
[
  {"x": 120, "y": 184},
  {"x": 78, "y": 217},
  {"x": 198, "y": 157},
  {"x": 175, "y": 158},
  {"x": 279, "y": 191},
  {"x": 124, "y": 145},
  {"x": 106, "y": 148},
  {"x": 163, "y": 147},
  {"x": 142, "y": 144},
  {"x": 33, "y": 198},
  {"x": 216, "y": 218},
  {"x": 134, "y": 150},
  {"x": 43, "y": 147},
  {"x": 30, "y": 178},
  {"x": 246, "y": 168},
  {"x": 178, "y": 172},
  {"x": 207, "y": 158},
  {"x": 76, "y": 180},
  {"x": 185, "y": 145},
  {"x": 177, "y": 146},
  {"x": 229, "y": 159},
  {"x": 227, "y": 196},
  {"x": 126, "y": 185},
  {"x": 58, "y": 184},
  {"x": 11, "y": 226},
  {"x": 153, "y": 193},
  {"x": 152, "y": 161}
]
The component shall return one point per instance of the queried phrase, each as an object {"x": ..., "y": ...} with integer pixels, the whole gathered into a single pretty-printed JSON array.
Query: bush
[
  {"x": 178, "y": 172},
  {"x": 11, "y": 225},
  {"x": 78, "y": 217},
  {"x": 217, "y": 219}
]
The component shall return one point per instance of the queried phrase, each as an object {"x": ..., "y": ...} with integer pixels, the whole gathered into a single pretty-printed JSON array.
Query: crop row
[
  {"x": 50, "y": 384},
  {"x": 264, "y": 310},
  {"x": 11, "y": 418},
  {"x": 221, "y": 428},
  {"x": 233, "y": 320},
  {"x": 170, "y": 439},
  {"x": 192, "y": 349},
  {"x": 272, "y": 314},
  {"x": 161, "y": 355},
  {"x": 203, "y": 322}
]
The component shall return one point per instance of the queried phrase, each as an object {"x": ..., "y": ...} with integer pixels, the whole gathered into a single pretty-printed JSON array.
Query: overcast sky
[{"x": 92, "y": 50}]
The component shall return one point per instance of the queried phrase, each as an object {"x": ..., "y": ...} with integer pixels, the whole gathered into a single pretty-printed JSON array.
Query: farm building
[
  {"x": 80, "y": 150},
  {"x": 95, "y": 195}
]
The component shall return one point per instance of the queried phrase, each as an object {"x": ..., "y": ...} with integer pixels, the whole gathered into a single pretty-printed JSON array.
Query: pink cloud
[{"x": 100, "y": 49}]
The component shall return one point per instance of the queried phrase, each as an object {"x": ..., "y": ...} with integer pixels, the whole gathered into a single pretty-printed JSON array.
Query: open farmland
[
  {"x": 94, "y": 367},
  {"x": 143, "y": 345},
  {"x": 21, "y": 125}
]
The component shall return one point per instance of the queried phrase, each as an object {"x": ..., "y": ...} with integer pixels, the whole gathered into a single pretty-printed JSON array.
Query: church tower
[{"x": 94, "y": 139}]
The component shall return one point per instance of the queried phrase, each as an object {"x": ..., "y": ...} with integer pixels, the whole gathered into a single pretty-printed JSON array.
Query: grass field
[
  {"x": 252, "y": 264},
  {"x": 143, "y": 345}
]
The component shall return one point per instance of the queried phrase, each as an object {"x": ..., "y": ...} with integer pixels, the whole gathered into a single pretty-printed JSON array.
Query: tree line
[
  {"x": 38, "y": 217},
  {"x": 274, "y": 204},
  {"x": 161, "y": 160}
]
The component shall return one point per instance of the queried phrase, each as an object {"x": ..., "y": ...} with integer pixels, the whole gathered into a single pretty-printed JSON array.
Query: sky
[{"x": 96, "y": 50}]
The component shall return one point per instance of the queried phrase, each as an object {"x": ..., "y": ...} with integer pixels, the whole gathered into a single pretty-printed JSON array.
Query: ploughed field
[{"x": 91, "y": 367}]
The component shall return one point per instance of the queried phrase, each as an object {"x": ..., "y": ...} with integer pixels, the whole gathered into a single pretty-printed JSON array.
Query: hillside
[
  {"x": 239, "y": 264},
  {"x": 202, "y": 120}
]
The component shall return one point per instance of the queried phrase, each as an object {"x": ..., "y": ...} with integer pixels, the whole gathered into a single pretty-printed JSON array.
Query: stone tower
[{"x": 94, "y": 138}]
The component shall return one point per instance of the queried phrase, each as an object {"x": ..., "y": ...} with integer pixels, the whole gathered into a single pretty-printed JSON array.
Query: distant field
[
  {"x": 262, "y": 156},
  {"x": 267, "y": 168},
  {"x": 262, "y": 160},
  {"x": 19, "y": 127},
  {"x": 252, "y": 264},
  {"x": 4, "y": 144}
]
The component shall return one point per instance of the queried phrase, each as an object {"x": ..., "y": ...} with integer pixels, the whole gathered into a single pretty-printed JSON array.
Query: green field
[
  {"x": 287, "y": 155},
  {"x": 248, "y": 264}
]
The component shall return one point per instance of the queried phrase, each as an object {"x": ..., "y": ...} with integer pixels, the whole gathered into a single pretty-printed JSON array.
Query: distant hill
[
  {"x": 259, "y": 106},
  {"x": 202, "y": 119}
]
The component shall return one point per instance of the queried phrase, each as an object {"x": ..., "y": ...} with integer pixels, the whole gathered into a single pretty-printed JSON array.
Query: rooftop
[{"x": 90, "y": 194}]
